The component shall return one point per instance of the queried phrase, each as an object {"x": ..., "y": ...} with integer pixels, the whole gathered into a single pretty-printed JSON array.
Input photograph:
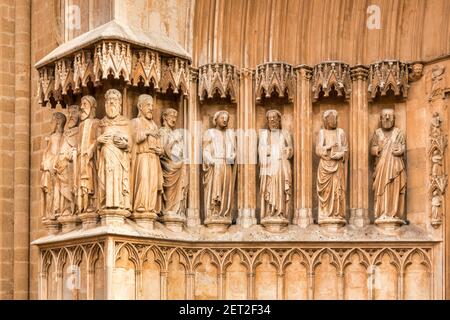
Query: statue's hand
[
  {"x": 120, "y": 142},
  {"x": 337, "y": 156}
]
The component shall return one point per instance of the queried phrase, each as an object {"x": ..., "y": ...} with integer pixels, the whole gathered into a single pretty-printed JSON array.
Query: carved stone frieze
[
  {"x": 388, "y": 75},
  {"x": 275, "y": 77},
  {"x": 218, "y": 78},
  {"x": 329, "y": 76}
]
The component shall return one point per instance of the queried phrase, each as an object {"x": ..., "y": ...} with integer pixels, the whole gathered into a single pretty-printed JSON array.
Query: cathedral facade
[{"x": 224, "y": 149}]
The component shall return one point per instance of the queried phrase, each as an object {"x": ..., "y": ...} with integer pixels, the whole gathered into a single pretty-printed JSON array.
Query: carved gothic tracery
[
  {"x": 388, "y": 75},
  {"x": 329, "y": 76},
  {"x": 438, "y": 176},
  {"x": 219, "y": 78},
  {"x": 275, "y": 77}
]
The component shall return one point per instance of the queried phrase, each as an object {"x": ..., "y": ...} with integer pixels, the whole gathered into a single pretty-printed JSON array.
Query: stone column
[
  {"x": 359, "y": 147},
  {"x": 247, "y": 150},
  {"x": 194, "y": 147},
  {"x": 22, "y": 107},
  {"x": 303, "y": 148}
]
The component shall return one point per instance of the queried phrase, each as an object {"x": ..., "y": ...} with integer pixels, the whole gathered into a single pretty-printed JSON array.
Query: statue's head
[
  {"x": 169, "y": 117},
  {"x": 387, "y": 118},
  {"x": 58, "y": 122},
  {"x": 74, "y": 116},
  {"x": 273, "y": 119},
  {"x": 113, "y": 103},
  {"x": 145, "y": 106},
  {"x": 87, "y": 107},
  {"x": 330, "y": 119},
  {"x": 221, "y": 119}
]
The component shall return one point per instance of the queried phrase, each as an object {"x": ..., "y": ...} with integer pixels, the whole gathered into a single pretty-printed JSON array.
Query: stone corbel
[
  {"x": 219, "y": 78},
  {"x": 275, "y": 77},
  {"x": 329, "y": 76},
  {"x": 388, "y": 75}
]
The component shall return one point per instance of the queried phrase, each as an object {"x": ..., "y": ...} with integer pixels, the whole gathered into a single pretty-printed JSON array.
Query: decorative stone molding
[
  {"x": 146, "y": 68},
  {"x": 388, "y": 75},
  {"x": 219, "y": 78},
  {"x": 174, "y": 75},
  {"x": 83, "y": 69},
  {"x": 275, "y": 77},
  {"x": 112, "y": 58},
  {"x": 438, "y": 177},
  {"x": 170, "y": 262},
  {"x": 359, "y": 72},
  {"x": 329, "y": 76}
]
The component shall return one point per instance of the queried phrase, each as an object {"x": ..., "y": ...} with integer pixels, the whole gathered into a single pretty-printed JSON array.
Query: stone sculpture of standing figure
[
  {"x": 332, "y": 148},
  {"x": 389, "y": 183},
  {"x": 147, "y": 173},
  {"x": 114, "y": 144},
  {"x": 172, "y": 162},
  {"x": 219, "y": 153},
  {"x": 67, "y": 171},
  {"x": 275, "y": 149},
  {"x": 87, "y": 159},
  {"x": 48, "y": 168}
]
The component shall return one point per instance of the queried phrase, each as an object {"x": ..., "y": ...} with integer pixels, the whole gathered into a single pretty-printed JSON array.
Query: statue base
[
  {"x": 332, "y": 224},
  {"x": 113, "y": 216},
  {"x": 145, "y": 220},
  {"x": 219, "y": 224},
  {"x": 174, "y": 222},
  {"x": 389, "y": 224},
  {"x": 275, "y": 224},
  {"x": 359, "y": 217},
  {"x": 51, "y": 225},
  {"x": 68, "y": 223},
  {"x": 88, "y": 219}
]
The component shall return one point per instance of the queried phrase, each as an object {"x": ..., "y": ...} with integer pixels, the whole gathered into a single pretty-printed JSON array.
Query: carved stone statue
[
  {"x": 389, "y": 184},
  {"x": 147, "y": 173},
  {"x": 332, "y": 148},
  {"x": 114, "y": 143},
  {"x": 275, "y": 149},
  {"x": 48, "y": 166},
  {"x": 219, "y": 153},
  {"x": 172, "y": 162},
  {"x": 87, "y": 159}
]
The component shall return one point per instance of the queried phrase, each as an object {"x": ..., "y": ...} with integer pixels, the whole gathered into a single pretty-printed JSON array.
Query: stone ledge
[{"x": 254, "y": 234}]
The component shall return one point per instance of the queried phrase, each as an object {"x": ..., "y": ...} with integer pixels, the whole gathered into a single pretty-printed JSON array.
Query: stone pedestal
[
  {"x": 359, "y": 217},
  {"x": 174, "y": 222},
  {"x": 275, "y": 224},
  {"x": 52, "y": 226},
  {"x": 218, "y": 224},
  {"x": 88, "y": 219},
  {"x": 389, "y": 224},
  {"x": 68, "y": 223},
  {"x": 145, "y": 219},
  {"x": 332, "y": 224},
  {"x": 113, "y": 216}
]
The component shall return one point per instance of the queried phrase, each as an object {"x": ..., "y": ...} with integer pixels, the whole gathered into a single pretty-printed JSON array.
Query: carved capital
[
  {"x": 388, "y": 75},
  {"x": 304, "y": 71},
  {"x": 193, "y": 74},
  {"x": 218, "y": 78},
  {"x": 359, "y": 72},
  {"x": 246, "y": 72},
  {"x": 275, "y": 77},
  {"x": 331, "y": 76}
]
